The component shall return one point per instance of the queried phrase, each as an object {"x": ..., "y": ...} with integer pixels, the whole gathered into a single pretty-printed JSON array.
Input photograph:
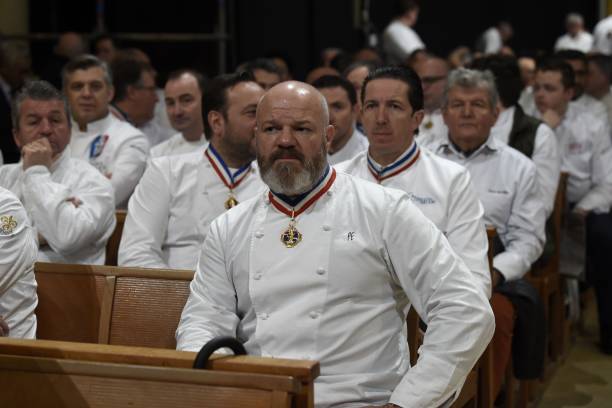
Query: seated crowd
[{"x": 315, "y": 215}]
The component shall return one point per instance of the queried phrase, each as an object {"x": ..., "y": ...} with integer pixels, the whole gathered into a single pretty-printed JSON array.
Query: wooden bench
[
  {"x": 110, "y": 305},
  {"x": 90, "y": 375}
]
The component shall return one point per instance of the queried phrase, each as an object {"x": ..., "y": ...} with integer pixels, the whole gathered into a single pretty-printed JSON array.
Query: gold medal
[
  {"x": 291, "y": 236},
  {"x": 428, "y": 124},
  {"x": 231, "y": 202}
]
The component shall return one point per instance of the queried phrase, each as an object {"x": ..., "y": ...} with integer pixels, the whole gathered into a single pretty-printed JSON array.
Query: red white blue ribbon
[
  {"x": 404, "y": 162},
  {"x": 231, "y": 180},
  {"x": 295, "y": 207}
]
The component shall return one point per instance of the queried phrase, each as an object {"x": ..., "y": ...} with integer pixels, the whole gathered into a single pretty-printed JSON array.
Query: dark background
[{"x": 298, "y": 29}]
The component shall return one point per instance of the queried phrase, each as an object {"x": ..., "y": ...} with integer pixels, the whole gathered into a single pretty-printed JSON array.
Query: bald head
[
  {"x": 295, "y": 95},
  {"x": 292, "y": 136}
]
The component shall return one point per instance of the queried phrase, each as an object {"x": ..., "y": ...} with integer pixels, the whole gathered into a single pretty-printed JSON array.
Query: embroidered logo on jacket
[
  {"x": 7, "y": 224},
  {"x": 97, "y": 146}
]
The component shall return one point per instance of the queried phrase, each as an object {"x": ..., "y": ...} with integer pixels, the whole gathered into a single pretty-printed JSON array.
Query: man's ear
[
  {"x": 216, "y": 121},
  {"x": 16, "y": 139},
  {"x": 330, "y": 132}
]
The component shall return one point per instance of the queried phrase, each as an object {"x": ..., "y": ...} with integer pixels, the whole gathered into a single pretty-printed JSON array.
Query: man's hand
[
  {"x": 551, "y": 118},
  {"x": 38, "y": 152},
  {"x": 4, "y": 329}
]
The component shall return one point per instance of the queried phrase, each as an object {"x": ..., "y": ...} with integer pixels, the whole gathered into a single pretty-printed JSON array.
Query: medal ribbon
[
  {"x": 404, "y": 162},
  {"x": 231, "y": 180},
  {"x": 306, "y": 199}
]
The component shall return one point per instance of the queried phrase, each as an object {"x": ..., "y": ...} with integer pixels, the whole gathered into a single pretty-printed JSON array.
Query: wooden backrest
[
  {"x": 559, "y": 207},
  {"x": 491, "y": 235},
  {"x": 112, "y": 245},
  {"x": 80, "y": 374},
  {"x": 106, "y": 304},
  {"x": 70, "y": 302},
  {"x": 146, "y": 311}
]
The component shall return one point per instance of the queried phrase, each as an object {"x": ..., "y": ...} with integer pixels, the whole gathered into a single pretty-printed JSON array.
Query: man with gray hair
[
  {"x": 506, "y": 183},
  {"x": 116, "y": 148},
  {"x": 324, "y": 266},
  {"x": 70, "y": 204},
  {"x": 576, "y": 37}
]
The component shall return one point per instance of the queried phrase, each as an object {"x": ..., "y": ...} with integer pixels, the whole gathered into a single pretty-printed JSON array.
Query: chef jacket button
[
  {"x": 257, "y": 276},
  {"x": 321, "y": 271},
  {"x": 259, "y": 234},
  {"x": 330, "y": 193},
  {"x": 264, "y": 316},
  {"x": 313, "y": 314},
  {"x": 326, "y": 227},
  {"x": 205, "y": 192}
]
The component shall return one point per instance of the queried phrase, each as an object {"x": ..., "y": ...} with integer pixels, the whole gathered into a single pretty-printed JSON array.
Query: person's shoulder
[
  {"x": 121, "y": 129},
  {"x": 13, "y": 216},
  {"x": 516, "y": 161},
  {"x": 351, "y": 165},
  {"x": 442, "y": 165}
]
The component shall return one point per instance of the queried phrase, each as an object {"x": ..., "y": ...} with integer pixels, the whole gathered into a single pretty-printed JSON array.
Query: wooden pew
[
  {"x": 112, "y": 245},
  {"x": 110, "y": 305},
  {"x": 89, "y": 375}
]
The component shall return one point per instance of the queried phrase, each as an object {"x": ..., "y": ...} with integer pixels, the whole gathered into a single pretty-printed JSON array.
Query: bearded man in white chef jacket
[{"x": 324, "y": 266}]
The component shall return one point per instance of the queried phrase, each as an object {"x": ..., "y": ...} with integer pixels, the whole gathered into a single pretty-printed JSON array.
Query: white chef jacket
[
  {"x": 492, "y": 41},
  {"x": 602, "y": 36},
  {"x": 155, "y": 132},
  {"x": 400, "y": 41},
  {"x": 113, "y": 147},
  {"x": 506, "y": 181},
  {"x": 583, "y": 42},
  {"x": 586, "y": 103},
  {"x": 584, "y": 142},
  {"x": 432, "y": 128},
  {"x": 341, "y": 295},
  {"x": 177, "y": 144},
  {"x": 442, "y": 190},
  {"x": 356, "y": 144},
  {"x": 74, "y": 234},
  {"x": 18, "y": 297},
  {"x": 171, "y": 209},
  {"x": 546, "y": 155}
]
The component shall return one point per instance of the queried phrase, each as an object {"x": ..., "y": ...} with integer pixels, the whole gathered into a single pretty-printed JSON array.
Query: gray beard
[{"x": 288, "y": 180}]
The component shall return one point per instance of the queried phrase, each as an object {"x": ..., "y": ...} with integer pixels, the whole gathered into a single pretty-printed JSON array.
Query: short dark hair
[
  {"x": 604, "y": 63},
  {"x": 334, "y": 81},
  {"x": 215, "y": 95},
  {"x": 176, "y": 74},
  {"x": 404, "y": 6},
  {"x": 265, "y": 64},
  {"x": 404, "y": 74},
  {"x": 507, "y": 75},
  {"x": 127, "y": 72},
  {"x": 555, "y": 64},
  {"x": 85, "y": 62},
  {"x": 100, "y": 37},
  {"x": 37, "y": 91},
  {"x": 571, "y": 55}
]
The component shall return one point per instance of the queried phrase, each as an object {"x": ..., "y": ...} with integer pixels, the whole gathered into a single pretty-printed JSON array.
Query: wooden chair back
[
  {"x": 106, "y": 304},
  {"x": 112, "y": 245}
]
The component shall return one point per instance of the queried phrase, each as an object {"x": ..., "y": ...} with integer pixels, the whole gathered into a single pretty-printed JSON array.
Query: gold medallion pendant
[
  {"x": 428, "y": 124},
  {"x": 231, "y": 202},
  {"x": 291, "y": 236}
]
